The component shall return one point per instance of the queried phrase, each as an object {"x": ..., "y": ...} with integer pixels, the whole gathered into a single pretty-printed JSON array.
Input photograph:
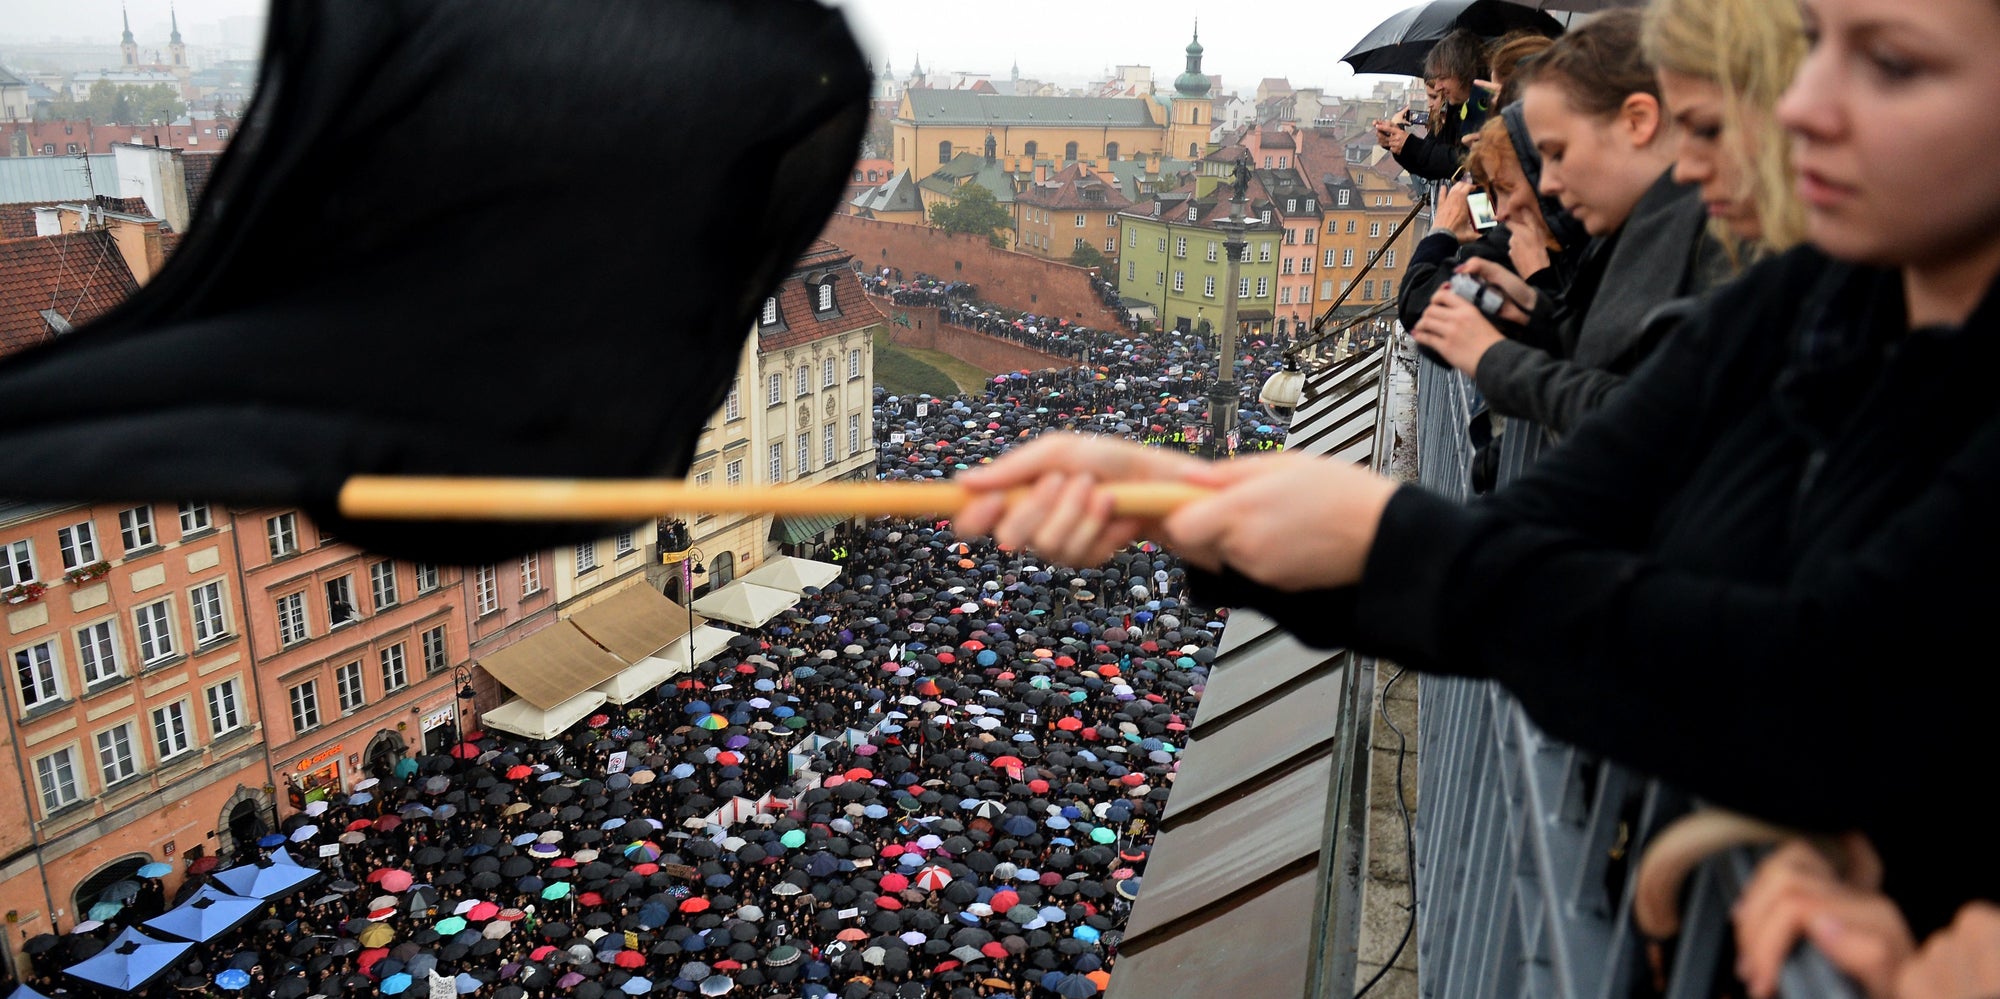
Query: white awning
[
  {"x": 635, "y": 623},
  {"x": 551, "y": 665},
  {"x": 522, "y": 718},
  {"x": 746, "y": 604},
  {"x": 644, "y": 675},
  {"x": 794, "y": 574}
]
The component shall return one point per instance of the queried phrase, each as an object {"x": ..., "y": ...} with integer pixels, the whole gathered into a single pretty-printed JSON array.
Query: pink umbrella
[{"x": 396, "y": 880}]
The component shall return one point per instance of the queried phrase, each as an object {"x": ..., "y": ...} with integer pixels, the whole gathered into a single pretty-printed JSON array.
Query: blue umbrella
[
  {"x": 636, "y": 986},
  {"x": 106, "y": 910},
  {"x": 271, "y": 840},
  {"x": 465, "y": 983},
  {"x": 395, "y": 984},
  {"x": 360, "y": 798},
  {"x": 1017, "y": 825},
  {"x": 155, "y": 870},
  {"x": 233, "y": 979}
]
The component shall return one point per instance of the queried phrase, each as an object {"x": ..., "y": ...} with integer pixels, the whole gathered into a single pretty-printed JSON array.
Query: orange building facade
[
  {"x": 131, "y": 709},
  {"x": 354, "y": 653}
]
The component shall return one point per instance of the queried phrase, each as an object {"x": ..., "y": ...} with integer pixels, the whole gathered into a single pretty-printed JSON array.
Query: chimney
[
  {"x": 1041, "y": 173},
  {"x": 138, "y": 242},
  {"x": 1153, "y": 162}
]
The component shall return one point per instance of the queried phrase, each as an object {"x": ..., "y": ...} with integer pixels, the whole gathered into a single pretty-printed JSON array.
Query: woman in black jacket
[
  {"x": 1757, "y": 572},
  {"x": 1459, "y": 110}
]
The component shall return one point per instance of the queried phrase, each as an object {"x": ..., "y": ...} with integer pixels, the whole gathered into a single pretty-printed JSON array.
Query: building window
[
  {"x": 305, "y": 706},
  {"x": 427, "y": 577},
  {"x": 205, "y": 602},
  {"x": 1312, "y": 236},
  {"x": 195, "y": 517},
  {"x": 340, "y": 606},
  {"x": 56, "y": 775},
  {"x": 826, "y": 372},
  {"x": 36, "y": 676},
  {"x": 97, "y": 652},
  {"x": 853, "y": 433},
  {"x": 1368, "y": 290},
  {"x": 732, "y": 472},
  {"x": 1110, "y": 244},
  {"x": 854, "y": 363},
  {"x": 115, "y": 761},
  {"x": 586, "y": 557},
  {"x": 823, "y": 295},
  {"x": 1029, "y": 149},
  {"x": 774, "y": 390},
  {"x": 1194, "y": 213},
  {"x": 79, "y": 545},
  {"x": 1291, "y": 205},
  {"x": 395, "y": 669},
  {"x": 804, "y": 380},
  {"x": 1180, "y": 281},
  {"x": 1069, "y": 152},
  {"x": 769, "y": 316},
  {"x": 282, "y": 531},
  {"x": 1344, "y": 198},
  {"x": 154, "y": 622},
  {"x": 1388, "y": 259},
  {"x": 1077, "y": 244},
  {"x": 625, "y": 543},
  {"x": 1081, "y": 221},
  {"x": 1347, "y": 257},
  {"x": 531, "y": 573},
  {"x": 1263, "y": 286},
  {"x": 1111, "y": 222},
  {"x": 805, "y": 453},
  {"x": 170, "y": 730},
  {"x": 1110, "y": 155},
  {"x": 1287, "y": 268},
  {"x": 1208, "y": 285},
  {"x": 135, "y": 528},
  {"x": 347, "y": 686},
  {"x": 1131, "y": 270},
  {"x": 777, "y": 462},
  {"x": 1331, "y": 257},
  {"x": 826, "y": 444},
  {"x": 436, "y": 659},
  {"x": 17, "y": 563},
  {"x": 382, "y": 583},
  {"x": 223, "y": 714},
  {"x": 732, "y": 405},
  {"x": 944, "y": 152},
  {"x": 1211, "y": 251},
  {"x": 1264, "y": 253},
  {"x": 1284, "y": 298},
  {"x": 1374, "y": 230},
  {"x": 1180, "y": 246},
  {"x": 292, "y": 619},
  {"x": 1132, "y": 238},
  {"x": 487, "y": 588}
]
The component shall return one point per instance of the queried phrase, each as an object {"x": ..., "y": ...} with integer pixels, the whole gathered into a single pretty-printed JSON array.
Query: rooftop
[
  {"x": 965, "y": 107},
  {"x": 51, "y": 282}
]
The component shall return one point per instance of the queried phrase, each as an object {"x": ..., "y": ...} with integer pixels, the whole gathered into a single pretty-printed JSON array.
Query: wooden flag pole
[{"x": 383, "y": 497}]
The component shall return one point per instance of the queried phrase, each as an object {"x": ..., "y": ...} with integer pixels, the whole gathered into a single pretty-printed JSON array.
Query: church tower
[
  {"x": 129, "y": 46},
  {"x": 1187, "y": 135},
  {"x": 178, "y": 51}
]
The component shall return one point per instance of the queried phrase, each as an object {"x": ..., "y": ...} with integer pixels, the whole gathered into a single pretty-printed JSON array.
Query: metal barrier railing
[{"x": 1525, "y": 846}]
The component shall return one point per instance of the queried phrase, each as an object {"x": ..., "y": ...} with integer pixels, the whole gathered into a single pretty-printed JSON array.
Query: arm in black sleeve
[
  {"x": 1430, "y": 266},
  {"x": 1428, "y": 157}
]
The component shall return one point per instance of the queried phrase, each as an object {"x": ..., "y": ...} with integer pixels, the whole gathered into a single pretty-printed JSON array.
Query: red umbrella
[
  {"x": 466, "y": 751},
  {"x": 368, "y": 957},
  {"x": 727, "y": 965},
  {"x": 1007, "y": 763},
  {"x": 893, "y": 882},
  {"x": 933, "y": 878},
  {"x": 519, "y": 770},
  {"x": 351, "y": 826},
  {"x": 994, "y": 949},
  {"x": 203, "y": 865},
  {"x": 727, "y": 758},
  {"x": 598, "y": 720},
  {"x": 888, "y": 902},
  {"x": 629, "y": 959},
  {"x": 590, "y": 898},
  {"x": 647, "y": 868},
  {"x": 695, "y": 904},
  {"x": 1004, "y": 900},
  {"x": 1070, "y": 724},
  {"x": 852, "y": 934},
  {"x": 541, "y": 953},
  {"x": 482, "y": 912},
  {"x": 388, "y": 823},
  {"x": 859, "y": 773},
  {"x": 396, "y": 880}
]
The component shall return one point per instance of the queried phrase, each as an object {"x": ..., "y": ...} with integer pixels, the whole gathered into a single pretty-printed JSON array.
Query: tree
[
  {"x": 973, "y": 209},
  {"x": 1088, "y": 256},
  {"x": 124, "y": 104}
]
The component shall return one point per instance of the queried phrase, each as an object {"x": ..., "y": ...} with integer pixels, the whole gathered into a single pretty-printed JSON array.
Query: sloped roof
[
  {"x": 1071, "y": 188},
  {"x": 972, "y": 167},
  {"x": 798, "y": 321},
  {"x": 964, "y": 107},
  {"x": 53, "y": 178},
  {"x": 897, "y": 194},
  {"x": 78, "y": 276},
  {"x": 8, "y": 79}
]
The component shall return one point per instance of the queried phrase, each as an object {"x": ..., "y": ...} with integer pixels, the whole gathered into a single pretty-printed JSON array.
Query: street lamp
[
  {"x": 676, "y": 545},
  {"x": 461, "y": 684}
]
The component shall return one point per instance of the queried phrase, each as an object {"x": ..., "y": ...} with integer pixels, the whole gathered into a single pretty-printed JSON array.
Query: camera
[
  {"x": 1420, "y": 118},
  {"x": 1483, "y": 296}
]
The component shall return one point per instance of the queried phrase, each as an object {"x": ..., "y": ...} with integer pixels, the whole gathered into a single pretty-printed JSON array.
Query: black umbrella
[
  {"x": 200, "y": 400},
  {"x": 1399, "y": 44}
]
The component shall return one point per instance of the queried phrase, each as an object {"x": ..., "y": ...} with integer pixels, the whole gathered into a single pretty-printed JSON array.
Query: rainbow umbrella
[{"x": 712, "y": 722}]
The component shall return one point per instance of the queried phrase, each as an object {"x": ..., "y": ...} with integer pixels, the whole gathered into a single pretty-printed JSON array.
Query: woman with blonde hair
[{"x": 1723, "y": 64}]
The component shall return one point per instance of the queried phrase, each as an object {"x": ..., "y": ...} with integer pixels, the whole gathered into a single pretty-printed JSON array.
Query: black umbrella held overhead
[
  {"x": 338, "y": 310},
  {"x": 1399, "y": 44}
]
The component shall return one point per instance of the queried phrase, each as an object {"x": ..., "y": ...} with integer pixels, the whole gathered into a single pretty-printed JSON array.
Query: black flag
[{"x": 478, "y": 237}]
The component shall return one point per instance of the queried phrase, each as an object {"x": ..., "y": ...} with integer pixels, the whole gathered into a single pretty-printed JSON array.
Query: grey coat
[{"x": 1661, "y": 254}]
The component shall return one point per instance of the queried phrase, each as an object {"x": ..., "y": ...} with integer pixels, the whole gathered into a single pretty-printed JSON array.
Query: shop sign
[
  {"x": 436, "y": 718},
  {"x": 312, "y": 762}
]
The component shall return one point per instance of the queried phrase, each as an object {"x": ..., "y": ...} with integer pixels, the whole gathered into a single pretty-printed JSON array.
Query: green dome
[{"x": 1192, "y": 83}]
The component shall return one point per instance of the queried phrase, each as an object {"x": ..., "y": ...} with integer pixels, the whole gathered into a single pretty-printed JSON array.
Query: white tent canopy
[
  {"x": 709, "y": 642},
  {"x": 747, "y": 604},
  {"x": 523, "y": 718},
  {"x": 794, "y": 574},
  {"x": 650, "y": 672}
]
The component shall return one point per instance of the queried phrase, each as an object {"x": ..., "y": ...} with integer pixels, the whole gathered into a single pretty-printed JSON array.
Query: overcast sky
[{"x": 1064, "y": 42}]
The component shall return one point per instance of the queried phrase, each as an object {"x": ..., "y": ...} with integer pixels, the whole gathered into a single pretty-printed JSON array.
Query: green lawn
[{"x": 905, "y": 371}]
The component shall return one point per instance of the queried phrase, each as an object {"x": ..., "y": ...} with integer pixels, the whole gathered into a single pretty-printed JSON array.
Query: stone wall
[
  {"x": 987, "y": 353},
  {"x": 1016, "y": 280}
]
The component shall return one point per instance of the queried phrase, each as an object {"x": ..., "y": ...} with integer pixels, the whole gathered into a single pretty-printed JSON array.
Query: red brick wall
[
  {"x": 987, "y": 353},
  {"x": 1015, "y": 280}
]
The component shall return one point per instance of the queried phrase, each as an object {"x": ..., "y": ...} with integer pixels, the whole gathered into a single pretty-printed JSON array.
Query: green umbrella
[
  {"x": 1103, "y": 834},
  {"x": 449, "y": 925},
  {"x": 795, "y": 722},
  {"x": 405, "y": 767},
  {"x": 558, "y": 890},
  {"x": 793, "y": 839}
]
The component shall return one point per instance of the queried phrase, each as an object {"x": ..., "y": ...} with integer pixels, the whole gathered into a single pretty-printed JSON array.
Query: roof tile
[{"x": 79, "y": 276}]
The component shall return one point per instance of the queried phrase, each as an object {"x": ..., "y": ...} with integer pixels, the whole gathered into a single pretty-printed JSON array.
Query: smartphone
[
  {"x": 1419, "y": 118},
  {"x": 1482, "y": 210}
]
